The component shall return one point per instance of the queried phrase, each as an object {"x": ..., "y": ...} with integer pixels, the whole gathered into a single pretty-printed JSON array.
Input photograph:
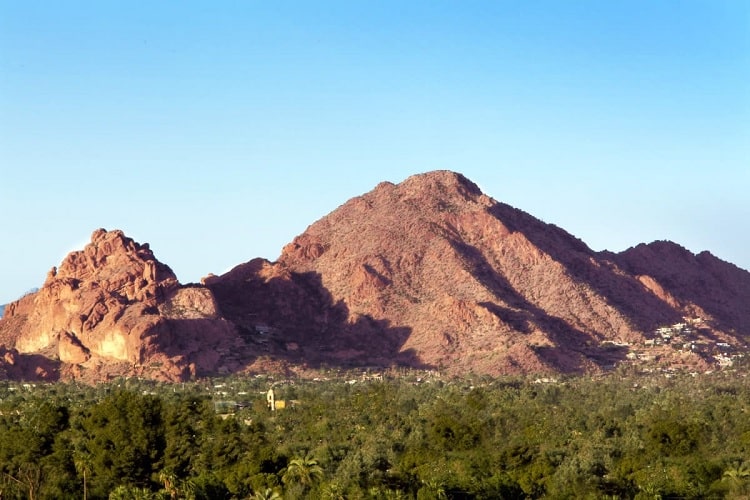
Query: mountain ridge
[
  {"x": 428, "y": 273},
  {"x": 523, "y": 291}
]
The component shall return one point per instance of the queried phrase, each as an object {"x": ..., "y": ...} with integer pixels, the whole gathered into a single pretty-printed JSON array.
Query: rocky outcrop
[{"x": 113, "y": 302}]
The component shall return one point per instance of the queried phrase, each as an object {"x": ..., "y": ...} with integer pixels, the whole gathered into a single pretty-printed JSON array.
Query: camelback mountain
[
  {"x": 433, "y": 273},
  {"x": 429, "y": 273}
]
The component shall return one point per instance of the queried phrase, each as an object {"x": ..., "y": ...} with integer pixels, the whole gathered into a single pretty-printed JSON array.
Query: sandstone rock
[
  {"x": 71, "y": 350},
  {"x": 114, "y": 303}
]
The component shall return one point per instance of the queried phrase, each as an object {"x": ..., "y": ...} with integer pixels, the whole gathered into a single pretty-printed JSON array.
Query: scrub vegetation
[{"x": 408, "y": 435}]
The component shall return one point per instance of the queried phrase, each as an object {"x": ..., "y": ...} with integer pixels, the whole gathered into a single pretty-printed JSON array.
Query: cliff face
[
  {"x": 434, "y": 273},
  {"x": 113, "y": 308},
  {"x": 429, "y": 273}
]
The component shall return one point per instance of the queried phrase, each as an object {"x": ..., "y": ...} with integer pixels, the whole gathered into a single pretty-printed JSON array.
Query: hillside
[
  {"x": 433, "y": 273},
  {"x": 430, "y": 273}
]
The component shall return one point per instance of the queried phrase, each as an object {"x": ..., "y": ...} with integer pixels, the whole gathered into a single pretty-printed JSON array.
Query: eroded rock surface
[{"x": 114, "y": 303}]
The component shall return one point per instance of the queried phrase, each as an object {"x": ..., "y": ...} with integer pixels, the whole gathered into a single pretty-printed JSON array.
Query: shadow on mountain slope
[
  {"x": 574, "y": 348},
  {"x": 624, "y": 292},
  {"x": 720, "y": 288},
  {"x": 292, "y": 316},
  {"x": 30, "y": 367}
]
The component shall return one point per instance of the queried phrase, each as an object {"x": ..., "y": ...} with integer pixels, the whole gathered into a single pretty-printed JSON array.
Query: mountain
[
  {"x": 433, "y": 273},
  {"x": 2, "y": 310},
  {"x": 429, "y": 273},
  {"x": 113, "y": 309}
]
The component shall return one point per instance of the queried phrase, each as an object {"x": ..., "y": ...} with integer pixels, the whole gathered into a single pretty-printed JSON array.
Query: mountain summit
[
  {"x": 429, "y": 273},
  {"x": 434, "y": 273}
]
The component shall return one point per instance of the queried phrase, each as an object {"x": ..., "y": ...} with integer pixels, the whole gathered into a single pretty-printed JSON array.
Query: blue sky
[{"x": 217, "y": 131}]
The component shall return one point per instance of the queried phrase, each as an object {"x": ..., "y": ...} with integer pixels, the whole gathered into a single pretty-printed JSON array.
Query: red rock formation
[
  {"x": 432, "y": 272},
  {"x": 114, "y": 303},
  {"x": 702, "y": 285},
  {"x": 428, "y": 273}
]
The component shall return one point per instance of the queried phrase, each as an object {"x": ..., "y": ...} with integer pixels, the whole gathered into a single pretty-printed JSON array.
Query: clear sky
[{"x": 217, "y": 131}]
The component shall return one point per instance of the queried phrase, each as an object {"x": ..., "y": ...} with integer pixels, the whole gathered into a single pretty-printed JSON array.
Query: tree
[
  {"x": 82, "y": 462},
  {"x": 267, "y": 494},
  {"x": 432, "y": 490},
  {"x": 123, "y": 492},
  {"x": 31, "y": 449},
  {"x": 176, "y": 487},
  {"x": 181, "y": 434},
  {"x": 303, "y": 471},
  {"x": 29, "y": 477},
  {"x": 124, "y": 436},
  {"x": 168, "y": 478},
  {"x": 737, "y": 476}
]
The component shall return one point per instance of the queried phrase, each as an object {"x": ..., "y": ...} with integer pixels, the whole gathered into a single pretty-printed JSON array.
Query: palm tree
[
  {"x": 652, "y": 491},
  {"x": 267, "y": 494},
  {"x": 436, "y": 488},
  {"x": 737, "y": 477},
  {"x": 170, "y": 482},
  {"x": 186, "y": 488},
  {"x": 175, "y": 487},
  {"x": 82, "y": 462},
  {"x": 333, "y": 491},
  {"x": 738, "y": 474},
  {"x": 303, "y": 471},
  {"x": 123, "y": 492}
]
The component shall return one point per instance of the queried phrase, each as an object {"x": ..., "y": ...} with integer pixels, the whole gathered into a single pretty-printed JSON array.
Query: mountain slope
[
  {"x": 429, "y": 273},
  {"x": 701, "y": 284},
  {"x": 435, "y": 273}
]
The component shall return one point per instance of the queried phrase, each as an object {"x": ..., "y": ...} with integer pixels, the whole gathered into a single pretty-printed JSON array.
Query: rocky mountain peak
[
  {"x": 444, "y": 184},
  {"x": 114, "y": 304},
  {"x": 117, "y": 262},
  {"x": 432, "y": 272}
]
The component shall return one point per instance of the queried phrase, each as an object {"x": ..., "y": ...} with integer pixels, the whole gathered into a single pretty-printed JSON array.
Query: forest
[{"x": 402, "y": 436}]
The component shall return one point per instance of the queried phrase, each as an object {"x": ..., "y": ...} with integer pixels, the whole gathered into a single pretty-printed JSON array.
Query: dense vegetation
[{"x": 612, "y": 437}]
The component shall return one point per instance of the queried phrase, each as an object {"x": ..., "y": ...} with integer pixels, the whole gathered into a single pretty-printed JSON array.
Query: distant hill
[
  {"x": 2, "y": 310},
  {"x": 430, "y": 273}
]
